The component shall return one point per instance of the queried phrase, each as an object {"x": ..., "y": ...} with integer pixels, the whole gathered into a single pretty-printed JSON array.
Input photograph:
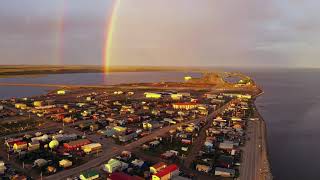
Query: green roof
[{"x": 89, "y": 174}]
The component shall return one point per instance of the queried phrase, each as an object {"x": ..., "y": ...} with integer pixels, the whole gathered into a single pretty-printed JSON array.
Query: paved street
[
  {"x": 198, "y": 143},
  {"x": 255, "y": 164}
]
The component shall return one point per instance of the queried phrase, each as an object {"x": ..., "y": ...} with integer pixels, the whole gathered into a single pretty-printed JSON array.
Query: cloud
[{"x": 164, "y": 32}]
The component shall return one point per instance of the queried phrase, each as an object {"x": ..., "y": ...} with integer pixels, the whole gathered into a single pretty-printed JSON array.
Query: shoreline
[{"x": 265, "y": 167}]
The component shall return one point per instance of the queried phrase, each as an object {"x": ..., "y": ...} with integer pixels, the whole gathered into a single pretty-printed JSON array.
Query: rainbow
[
  {"x": 59, "y": 49},
  {"x": 108, "y": 41}
]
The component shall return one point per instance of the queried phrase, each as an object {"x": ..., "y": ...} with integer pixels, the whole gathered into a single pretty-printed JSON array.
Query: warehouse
[
  {"x": 152, "y": 95},
  {"x": 186, "y": 106}
]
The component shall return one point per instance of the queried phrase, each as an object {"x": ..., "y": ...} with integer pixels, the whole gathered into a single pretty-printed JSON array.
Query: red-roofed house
[
  {"x": 73, "y": 145},
  {"x": 167, "y": 173},
  {"x": 21, "y": 145},
  {"x": 10, "y": 142},
  {"x": 157, "y": 167}
]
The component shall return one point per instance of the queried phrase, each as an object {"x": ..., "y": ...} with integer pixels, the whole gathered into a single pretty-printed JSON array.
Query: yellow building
[
  {"x": 20, "y": 106},
  {"x": 152, "y": 95},
  {"x": 61, "y": 92},
  {"x": 190, "y": 129},
  {"x": 146, "y": 125},
  {"x": 37, "y": 103},
  {"x": 187, "y": 78},
  {"x": 176, "y": 96},
  {"x": 65, "y": 163},
  {"x": 120, "y": 129},
  {"x": 91, "y": 148}
]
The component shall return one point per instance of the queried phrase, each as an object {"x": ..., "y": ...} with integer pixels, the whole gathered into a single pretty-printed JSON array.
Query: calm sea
[{"x": 290, "y": 106}]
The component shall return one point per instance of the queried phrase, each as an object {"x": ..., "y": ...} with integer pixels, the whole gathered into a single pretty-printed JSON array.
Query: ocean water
[{"x": 290, "y": 107}]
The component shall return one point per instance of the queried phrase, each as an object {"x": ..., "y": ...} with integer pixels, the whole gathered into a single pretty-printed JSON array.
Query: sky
[{"x": 272, "y": 33}]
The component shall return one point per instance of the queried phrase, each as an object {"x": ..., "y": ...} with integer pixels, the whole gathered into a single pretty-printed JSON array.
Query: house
[
  {"x": 226, "y": 145},
  {"x": 33, "y": 145},
  {"x": 73, "y": 145},
  {"x": 224, "y": 172},
  {"x": 118, "y": 92},
  {"x": 185, "y": 105},
  {"x": 40, "y": 163},
  {"x": 157, "y": 167},
  {"x": 225, "y": 161},
  {"x": 120, "y": 129},
  {"x": 138, "y": 163},
  {"x": 169, "y": 154},
  {"x": 65, "y": 163},
  {"x": 151, "y": 125},
  {"x": 169, "y": 121},
  {"x": 154, "y": 143},
  {"x": 126, "y": 155},
  {"x": 167, "y": 173},
  {"x": 2, "y": 167},
  {"x": 186, "y": 141},
  {"x": 185, "y": 149},
  {"x": 10, "y": 142},
  {"x": 177, "y": 96},
  {"x": 89, "y": 175},
  {"x": 219, "y": 119},
  {"x": 127, "y": 109},
  {"x": 67, "y": 120},
  {"x": 20, "y": 106},
  {"x": 203, "y": 168},
  {"x": 37, "y": 103},
  {"x": 236, "y": 119},
  {"x": 128, "y": 137},
  {"x": 92, "y": 148},
  {"x": 114, "y": 165},
  {"x": 210, "y": 96},
  {"x": 42, "y": 138},
  {"x": 64, "y": 137},
  {"x": 190, "y": 129},
  {"x": 19, "y": 146},
  {"x": 94, "y": 127}
]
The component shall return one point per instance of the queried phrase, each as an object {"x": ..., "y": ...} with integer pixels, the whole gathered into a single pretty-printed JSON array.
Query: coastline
[{"x": 265, "y": 166}]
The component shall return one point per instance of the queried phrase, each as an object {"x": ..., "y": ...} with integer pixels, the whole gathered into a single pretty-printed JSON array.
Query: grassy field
[{"x": 13, "y": 70}]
